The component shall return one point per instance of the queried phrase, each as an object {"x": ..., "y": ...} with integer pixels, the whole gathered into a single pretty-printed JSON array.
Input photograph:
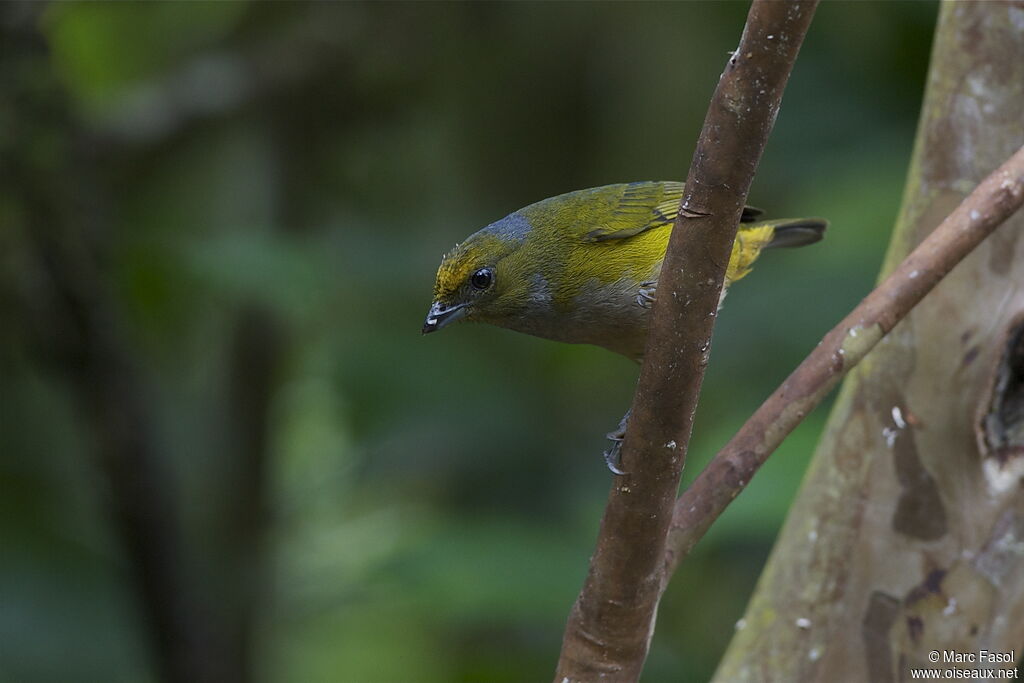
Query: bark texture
[
  {"x": 610, "y": 625},
  {"x": 994, "y": 201},
  {"x": 907, "y": 534}
]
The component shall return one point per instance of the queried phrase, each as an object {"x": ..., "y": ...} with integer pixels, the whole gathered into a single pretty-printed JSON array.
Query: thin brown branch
[
  {"x": 610, "y": 626},
  {"x": 989, "y": 205}
]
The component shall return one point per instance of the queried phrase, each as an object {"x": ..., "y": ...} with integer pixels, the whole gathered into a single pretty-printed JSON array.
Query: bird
[{"x": 583, "y": 267}]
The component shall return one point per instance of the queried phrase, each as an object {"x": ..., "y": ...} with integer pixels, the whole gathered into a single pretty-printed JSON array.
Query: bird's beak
[{"x": 441, "y": 315}]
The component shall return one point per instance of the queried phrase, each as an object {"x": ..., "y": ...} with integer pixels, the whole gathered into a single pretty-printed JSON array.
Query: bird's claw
[
  {"x": 645, "y": 297},
  {"x": 613, "y": 456}
]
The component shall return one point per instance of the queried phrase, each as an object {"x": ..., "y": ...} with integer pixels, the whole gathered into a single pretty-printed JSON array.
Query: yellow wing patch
[
  {"x": 644, "y": 206},
  {"x": 640, "y": 207}
]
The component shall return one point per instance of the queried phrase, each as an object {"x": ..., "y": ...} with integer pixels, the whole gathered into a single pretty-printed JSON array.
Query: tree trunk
[{"x": 908, "y": 534}]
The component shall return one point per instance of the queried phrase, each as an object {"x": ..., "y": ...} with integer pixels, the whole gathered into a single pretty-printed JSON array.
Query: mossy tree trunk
[{"x": 908, "y": 534}]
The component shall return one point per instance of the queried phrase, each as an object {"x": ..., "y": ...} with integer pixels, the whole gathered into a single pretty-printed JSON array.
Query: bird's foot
[
  {"x": 645, "y": 297},
  {"x": 613, "y": 456}
]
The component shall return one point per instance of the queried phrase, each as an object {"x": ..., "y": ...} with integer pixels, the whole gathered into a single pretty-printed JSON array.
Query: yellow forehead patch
[
  {"x": 462, "y": 261},
  {"x": 451, "y": 275}
]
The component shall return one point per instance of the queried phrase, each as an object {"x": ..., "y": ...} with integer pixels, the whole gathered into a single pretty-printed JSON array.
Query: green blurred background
[{"x": 219, "y": 224}]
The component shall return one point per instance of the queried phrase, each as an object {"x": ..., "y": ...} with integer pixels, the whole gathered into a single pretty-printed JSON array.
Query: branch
[
  {"x": 611, "y": 623},
  {"x": 991, "y": 203}
]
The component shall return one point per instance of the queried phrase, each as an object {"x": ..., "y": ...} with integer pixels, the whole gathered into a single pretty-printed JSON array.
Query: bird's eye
[{"x": 482, "y": 278}]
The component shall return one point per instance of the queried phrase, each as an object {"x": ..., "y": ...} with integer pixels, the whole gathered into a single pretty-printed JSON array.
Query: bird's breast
[{"x": 606, "y": 314}]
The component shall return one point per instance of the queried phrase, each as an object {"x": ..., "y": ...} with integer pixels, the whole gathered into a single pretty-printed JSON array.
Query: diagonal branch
[
  {"x": 991, "y": 203},
  {"x": 611, "y": 623}
]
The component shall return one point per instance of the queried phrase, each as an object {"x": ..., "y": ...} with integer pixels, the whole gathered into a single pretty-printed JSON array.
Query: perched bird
[{"x": 583, "y": 267}]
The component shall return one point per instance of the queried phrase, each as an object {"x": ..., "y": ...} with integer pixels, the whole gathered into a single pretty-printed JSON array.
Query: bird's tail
[{"x": 797, "y": 232}]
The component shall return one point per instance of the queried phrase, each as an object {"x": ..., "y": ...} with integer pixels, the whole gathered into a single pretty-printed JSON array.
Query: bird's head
[{"x": 486, "y": 278}]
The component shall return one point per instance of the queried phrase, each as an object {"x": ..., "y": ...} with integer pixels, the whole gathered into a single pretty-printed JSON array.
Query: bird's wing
[
  {"x": 639, "y": 207},
  {"x": 642, "y": 206}
]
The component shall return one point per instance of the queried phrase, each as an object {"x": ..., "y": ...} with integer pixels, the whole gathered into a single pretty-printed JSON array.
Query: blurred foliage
[{"x": 433, "y": 501}]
